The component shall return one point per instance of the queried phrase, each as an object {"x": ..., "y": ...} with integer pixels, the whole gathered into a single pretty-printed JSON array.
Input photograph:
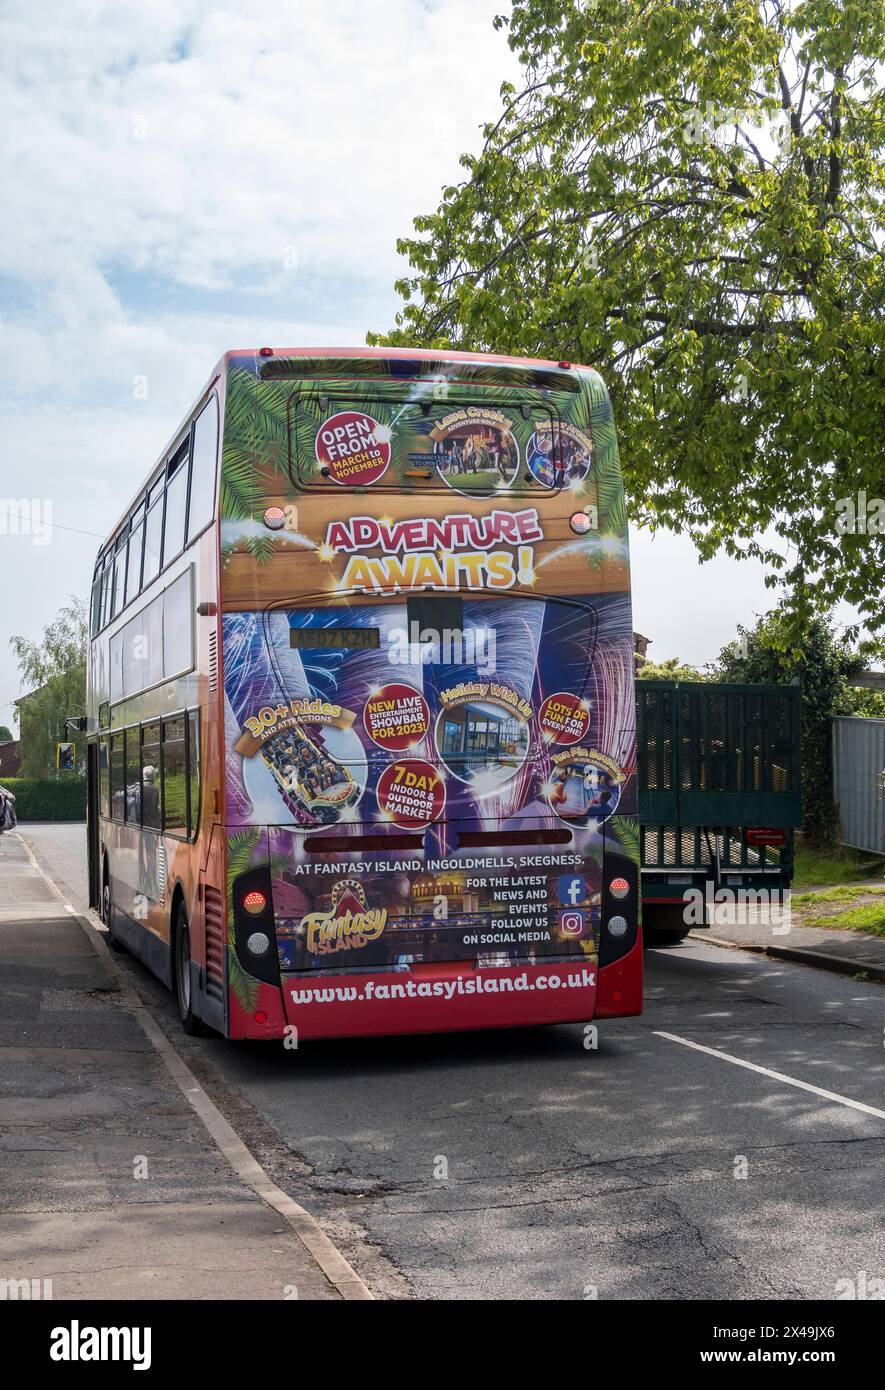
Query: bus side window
[
  {"x": 112, "y": 590},
  {"x": 193, "y": 769},
  {"x": 95, "y": 610},
  {"x": 178, "y": 623},
  {"x": 133, "y": 777},
  {"x": 203, "y": 462},
  {"x": 106, "y": 582},
  {"x": 153, "y": 542},
  {"x": 176, "y": 506},
  {"x": 174, "y": 785},
  {"x": 104, "y": 797},
  {"x": 119, "y": 576},
  {"x": 133, "y": 574},
  {"x": 150, "y": 776},
  {"x": 117, "y": 775}
]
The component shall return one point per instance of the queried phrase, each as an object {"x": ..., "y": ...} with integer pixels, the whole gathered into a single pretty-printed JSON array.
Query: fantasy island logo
[
  {"x": 348, "y": 925},
  {"x": 461, "y": 551}
]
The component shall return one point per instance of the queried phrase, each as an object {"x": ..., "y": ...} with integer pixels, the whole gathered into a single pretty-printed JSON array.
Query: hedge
[{"x": 37, "y": 798}]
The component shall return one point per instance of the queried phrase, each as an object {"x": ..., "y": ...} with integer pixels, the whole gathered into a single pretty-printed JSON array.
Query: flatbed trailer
[{"x": 719, "y": 795}]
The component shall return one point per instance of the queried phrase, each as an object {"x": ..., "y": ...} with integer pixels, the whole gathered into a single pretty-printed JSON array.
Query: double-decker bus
[{"x": 361, "y": 707}]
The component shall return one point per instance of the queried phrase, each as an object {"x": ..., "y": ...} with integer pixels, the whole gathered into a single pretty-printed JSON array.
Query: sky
[{"x": 183, "y": 178}]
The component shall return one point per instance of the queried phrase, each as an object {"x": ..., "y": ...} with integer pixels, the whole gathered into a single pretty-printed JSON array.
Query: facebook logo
[{"x": 571, "y": 889}]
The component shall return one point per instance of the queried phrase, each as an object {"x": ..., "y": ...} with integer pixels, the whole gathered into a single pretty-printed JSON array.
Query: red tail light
[{"x": 255, "y": 902}]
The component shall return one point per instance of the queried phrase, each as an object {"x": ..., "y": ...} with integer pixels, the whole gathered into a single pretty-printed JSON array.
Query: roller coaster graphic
[{"x": 311, "y": 783}]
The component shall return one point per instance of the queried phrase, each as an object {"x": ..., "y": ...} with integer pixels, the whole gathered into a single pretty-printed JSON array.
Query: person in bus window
[{"x": 150, "y": 796}]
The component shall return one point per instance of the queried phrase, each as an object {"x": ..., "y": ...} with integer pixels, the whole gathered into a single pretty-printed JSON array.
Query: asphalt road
[{"x": 522, "y": 1164}]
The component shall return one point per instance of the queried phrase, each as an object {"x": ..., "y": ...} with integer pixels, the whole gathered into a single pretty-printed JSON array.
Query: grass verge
[{"x": 837, "y": 865}]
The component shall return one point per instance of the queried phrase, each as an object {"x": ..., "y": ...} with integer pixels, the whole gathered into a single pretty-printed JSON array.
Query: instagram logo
[{"x": 572, "y": 924}]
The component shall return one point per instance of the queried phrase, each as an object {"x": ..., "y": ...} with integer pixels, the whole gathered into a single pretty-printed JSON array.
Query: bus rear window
[{"x": 481, "y": 447}]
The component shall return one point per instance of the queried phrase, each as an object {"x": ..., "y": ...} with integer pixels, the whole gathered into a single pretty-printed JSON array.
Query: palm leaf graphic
[
  {"x": 244, "y": 986},
  {"x": 626, "y": 829},
  {"x": 240, "y": 850},
  {"x": 261, "y": 548},
  {"x": 236, "y": 483}
]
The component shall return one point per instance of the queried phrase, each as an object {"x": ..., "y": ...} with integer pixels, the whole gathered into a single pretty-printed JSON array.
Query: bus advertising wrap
[{"x": 428, "y": 685}]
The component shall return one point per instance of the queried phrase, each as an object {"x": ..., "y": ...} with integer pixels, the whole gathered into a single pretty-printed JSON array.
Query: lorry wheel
[{"x": 664, "y": 925}]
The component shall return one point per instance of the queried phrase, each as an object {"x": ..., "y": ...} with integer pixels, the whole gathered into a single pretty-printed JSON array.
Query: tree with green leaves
[
  {"x": 824, "y": 665},
  {"x": 53, "y": 674},
  {"x": 670, "y": 670},
  {"x": 6, "y": 734},
  {"x": 689, "y": 195}
]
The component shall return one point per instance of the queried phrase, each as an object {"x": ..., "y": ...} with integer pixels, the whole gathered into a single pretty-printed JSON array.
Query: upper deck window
[
  {"x": 176, "y": 505},
  {"x": 136, "y": 548},
  {"x": 95, "y": 605},
  {"x": 153, "y": 541},
  {"x": 203, "y": 462},
  {"x": 119, "y": 574},
  {"x": 482, "y": 445}
]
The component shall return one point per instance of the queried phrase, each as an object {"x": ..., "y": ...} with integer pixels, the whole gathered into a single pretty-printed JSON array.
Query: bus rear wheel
[
  {"x": 107, "y": 911},
  {"x": 181, "y": 966}
]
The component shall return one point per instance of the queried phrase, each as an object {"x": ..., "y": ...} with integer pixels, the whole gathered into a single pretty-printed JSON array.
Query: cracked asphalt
[{"x": 524, "y": 1165}]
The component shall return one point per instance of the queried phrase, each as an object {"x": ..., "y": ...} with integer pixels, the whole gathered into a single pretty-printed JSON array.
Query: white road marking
[
  {"x": 775, "y": 1075},
  {"x": 338, "y": 1271}
]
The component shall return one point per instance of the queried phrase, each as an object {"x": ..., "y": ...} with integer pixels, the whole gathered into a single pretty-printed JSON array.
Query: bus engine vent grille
[
  {"x": 214, "y": 920},
  {"x": 162, "y": 870},
  {"x": 213, "y": 662}
]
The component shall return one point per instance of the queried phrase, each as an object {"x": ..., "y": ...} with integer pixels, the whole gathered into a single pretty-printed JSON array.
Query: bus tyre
[
  {"x": 181, "y": 967},
  {"x": 664, "y": 925},
  {"x": 107, "y": 913}
]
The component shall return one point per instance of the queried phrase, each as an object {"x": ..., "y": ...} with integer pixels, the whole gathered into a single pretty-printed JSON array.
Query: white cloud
[{"x": 197, "y": 141}]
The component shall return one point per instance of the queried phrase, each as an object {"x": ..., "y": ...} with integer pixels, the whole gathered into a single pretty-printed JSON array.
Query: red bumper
[{"x": 439, "y": 999}]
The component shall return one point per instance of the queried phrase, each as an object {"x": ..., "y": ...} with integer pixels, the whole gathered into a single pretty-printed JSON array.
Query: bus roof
[{"x": 404, "y": 354}]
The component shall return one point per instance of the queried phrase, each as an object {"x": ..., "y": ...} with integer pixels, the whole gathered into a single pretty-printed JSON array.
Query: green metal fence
[{"x": 718, "y": 755}]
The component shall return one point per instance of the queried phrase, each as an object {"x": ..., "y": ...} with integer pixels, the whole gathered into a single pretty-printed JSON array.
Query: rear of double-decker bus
[{"x": 427, "y": 655}]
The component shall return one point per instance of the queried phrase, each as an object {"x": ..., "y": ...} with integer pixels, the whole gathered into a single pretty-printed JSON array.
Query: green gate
[{"x": 718, "y": 755}]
